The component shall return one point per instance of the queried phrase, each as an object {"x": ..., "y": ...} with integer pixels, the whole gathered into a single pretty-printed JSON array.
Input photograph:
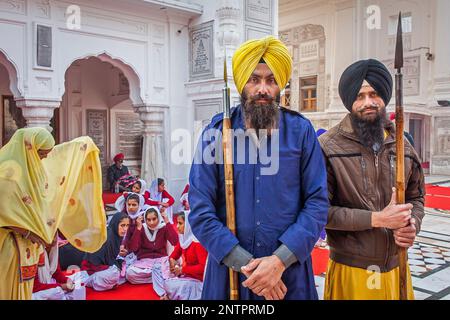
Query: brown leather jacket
[{"x": 359, "y": 183}]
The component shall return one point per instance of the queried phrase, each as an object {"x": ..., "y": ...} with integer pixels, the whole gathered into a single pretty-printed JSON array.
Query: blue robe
[{"x": 290, "y": 207}]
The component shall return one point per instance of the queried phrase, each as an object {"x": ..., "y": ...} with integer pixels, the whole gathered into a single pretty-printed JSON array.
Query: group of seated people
[{"x": 145, "y": 243}]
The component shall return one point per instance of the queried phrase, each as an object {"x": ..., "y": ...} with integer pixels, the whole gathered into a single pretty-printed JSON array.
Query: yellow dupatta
[{"x": 61, "y": 192}]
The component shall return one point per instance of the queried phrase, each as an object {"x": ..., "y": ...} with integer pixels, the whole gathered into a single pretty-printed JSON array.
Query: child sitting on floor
[
  {"x": 103, "y": 267},
  {"x": 188, "y": 283},
  {"x": 150, "y": 242},
  {"x": 158, "y": 196},
  {"x": 133, "y": 204},
  {"x": 50, "y": 283}
]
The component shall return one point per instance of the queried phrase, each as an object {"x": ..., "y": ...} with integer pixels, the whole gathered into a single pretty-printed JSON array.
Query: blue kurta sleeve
[
  {"x": 204, "y": 199},
  {"x": 302, "y": 235}
]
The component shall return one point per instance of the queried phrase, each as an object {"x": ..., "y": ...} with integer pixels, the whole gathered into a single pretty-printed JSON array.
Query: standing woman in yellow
[{"x": 44, "y": 188}]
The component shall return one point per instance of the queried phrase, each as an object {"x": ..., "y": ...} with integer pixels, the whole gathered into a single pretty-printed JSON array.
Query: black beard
[
  {"x": 260, "y": 116},
  {"x": 370, "y": 131}
]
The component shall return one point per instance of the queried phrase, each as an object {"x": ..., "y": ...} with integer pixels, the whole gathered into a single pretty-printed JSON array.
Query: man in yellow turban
[
  {"x": 280, "y": 213},
  {"x": 261, "y": 68},
  {"x": 45, "y": 188}
]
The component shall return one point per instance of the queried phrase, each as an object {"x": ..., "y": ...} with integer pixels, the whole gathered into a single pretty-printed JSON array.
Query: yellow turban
[{"x": 274, "y": 53}]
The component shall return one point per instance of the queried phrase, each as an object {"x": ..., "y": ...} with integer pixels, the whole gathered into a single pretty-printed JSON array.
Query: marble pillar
[
  {"x": 37, "y": 112},
  {"x": 154, "y": 155}
]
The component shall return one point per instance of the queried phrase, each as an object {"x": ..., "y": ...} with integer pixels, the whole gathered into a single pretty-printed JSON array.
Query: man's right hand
[
  {"x": 277, "y": 293},
  {"x": 394, "y": 216}
]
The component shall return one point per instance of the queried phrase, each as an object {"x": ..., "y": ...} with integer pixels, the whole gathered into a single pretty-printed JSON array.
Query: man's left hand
[
  {"x": 404, "y": 237},
  {"x": 265, "y": 274}
]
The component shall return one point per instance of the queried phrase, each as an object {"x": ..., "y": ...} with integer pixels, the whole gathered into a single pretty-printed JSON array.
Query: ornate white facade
[
  {"x": 128, "y": 73},
  {"x": 326, "y": 36}
]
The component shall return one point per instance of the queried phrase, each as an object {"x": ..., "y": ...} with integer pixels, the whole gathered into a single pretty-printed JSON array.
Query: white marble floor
[{"x": 429, "y": 259}]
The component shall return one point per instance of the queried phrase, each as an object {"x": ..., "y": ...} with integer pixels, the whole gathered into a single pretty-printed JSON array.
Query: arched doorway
[
  {"x": 98, "y": 102},
  {"x": 11, "y": 116}
]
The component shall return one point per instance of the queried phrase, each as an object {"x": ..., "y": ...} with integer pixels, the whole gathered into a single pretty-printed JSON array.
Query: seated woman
[
  {"x": 150, "y": 242},
  {"x": 50, "y": 283},
  {"x": 158, "y": 196},
  {"x": 188, "y": 283},
  {"x": 103, "y": 266}
]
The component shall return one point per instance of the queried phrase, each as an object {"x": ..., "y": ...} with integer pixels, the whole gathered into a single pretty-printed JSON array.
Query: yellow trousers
[
  {"x": 349, "y": 283},
  {"x": 18, "y": 265}
]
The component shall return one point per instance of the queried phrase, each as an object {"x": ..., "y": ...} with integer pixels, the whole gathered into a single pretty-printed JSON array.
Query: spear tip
[
  {"x": 399, "y": 44},
  {"x": 225, "y": 74}
]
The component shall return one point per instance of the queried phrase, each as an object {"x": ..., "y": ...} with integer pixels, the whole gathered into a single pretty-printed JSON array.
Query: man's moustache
[
  {"x": 376, "y": 108},
  {"x": 267, "y": 97}
]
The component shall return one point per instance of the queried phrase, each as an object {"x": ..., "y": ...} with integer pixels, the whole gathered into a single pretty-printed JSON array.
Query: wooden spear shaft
[
  {"x": 228, "y": 171},
  {"x": 400, "y": 182},
  {"x": 400, "y": 146},
  {"x": 229, "y": 193}
]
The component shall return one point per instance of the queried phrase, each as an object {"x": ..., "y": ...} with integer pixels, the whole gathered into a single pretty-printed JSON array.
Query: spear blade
[
  {"x": 225, "y": 74},
  {"x": 399, "y": 45},
  {"x": 225, "y": 89}
]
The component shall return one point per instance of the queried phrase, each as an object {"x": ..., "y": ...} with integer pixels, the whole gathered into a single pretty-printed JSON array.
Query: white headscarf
[
  {"x": 151, "y": 237},
  {"x": 120, "y": 205},
  {"x": 46, "y": 271},
  {"x": 155, "y": 195},
  {"x": 187, "y": 237},
  {"x": 143, "y": 186}
]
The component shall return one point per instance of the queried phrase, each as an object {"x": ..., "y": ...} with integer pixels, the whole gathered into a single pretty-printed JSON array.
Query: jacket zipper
[
  {"x": 363, "y": 165},
  {"x": 393, "y": 184},
  {"x": 386, "y": 232},
  {"x": 391, "y": 161}
]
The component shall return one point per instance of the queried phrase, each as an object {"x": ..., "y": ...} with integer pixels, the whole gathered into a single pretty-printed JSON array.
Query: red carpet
[
  {"x": 437, "y": 197},
  {"x": 126, "y": 291},
  {"x": 109, "y": 197},
  {"x": 129, "y": 291},
  {"x": 320, "y": 260}
]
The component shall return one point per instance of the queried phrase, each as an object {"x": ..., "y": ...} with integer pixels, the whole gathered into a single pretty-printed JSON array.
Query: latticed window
[{"x": 308, "y": 94}]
